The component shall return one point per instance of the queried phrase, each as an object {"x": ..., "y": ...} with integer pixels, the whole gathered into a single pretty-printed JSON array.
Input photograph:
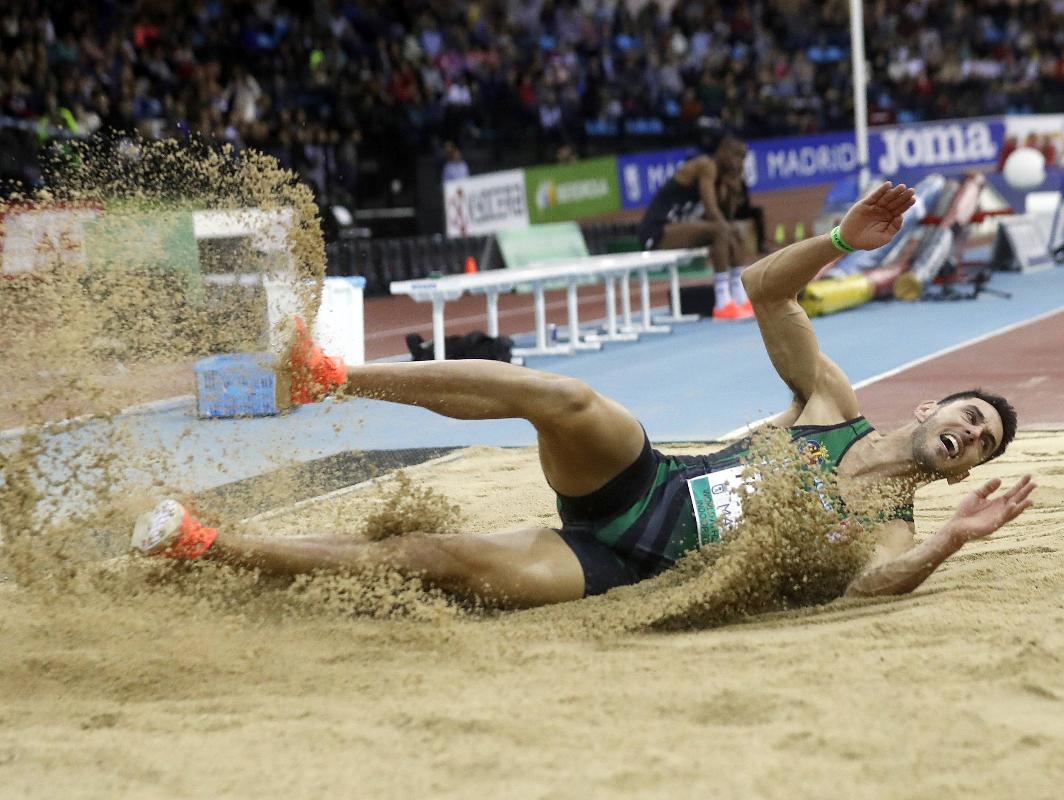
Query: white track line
[
  {"x": 744, "y": 430},
  {"x": 953, "y": 348},
  {"x": 166, "y": 404}
]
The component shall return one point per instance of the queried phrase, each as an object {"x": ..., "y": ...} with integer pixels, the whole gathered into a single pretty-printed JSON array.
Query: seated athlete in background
[
  {"x": 697, "y": 207},
  {"x": 628, "y": 511},
  {"x": 745, "y": 209}
]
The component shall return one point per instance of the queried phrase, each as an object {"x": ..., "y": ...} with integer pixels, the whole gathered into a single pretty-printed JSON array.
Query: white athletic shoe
[{"x": 169, "y": 530}]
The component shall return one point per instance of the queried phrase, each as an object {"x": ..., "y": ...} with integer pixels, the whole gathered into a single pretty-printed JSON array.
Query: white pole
[
  {"x": 541, "y": 316},
  {"x": 493, "y": 312},
  {"x": 860, "y": 106},
  {"x": 572, "y": 309},
  {"x": 439, "y": 352}
]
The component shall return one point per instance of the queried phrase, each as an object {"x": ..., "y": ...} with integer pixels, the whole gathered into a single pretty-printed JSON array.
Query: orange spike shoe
[
  {"x": 728, "y": 312},
  {"x": 169, "y": 530},
  {"x": 313, "y": 372}
]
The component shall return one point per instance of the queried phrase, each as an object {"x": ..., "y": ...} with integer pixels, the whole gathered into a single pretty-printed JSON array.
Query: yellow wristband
[{"x": 839, "y": 242}]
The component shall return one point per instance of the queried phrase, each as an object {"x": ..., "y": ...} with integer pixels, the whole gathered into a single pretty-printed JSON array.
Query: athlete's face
[
  {"x": 953, "y": 438},
  {"x": 730, "y": 156}
]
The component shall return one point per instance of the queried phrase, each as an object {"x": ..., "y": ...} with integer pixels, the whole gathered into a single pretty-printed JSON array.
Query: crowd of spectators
[{"x": 342, "y": 90}]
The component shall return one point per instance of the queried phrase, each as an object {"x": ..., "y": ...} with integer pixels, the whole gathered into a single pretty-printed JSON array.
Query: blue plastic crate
[{"x": 236, "y": 385}]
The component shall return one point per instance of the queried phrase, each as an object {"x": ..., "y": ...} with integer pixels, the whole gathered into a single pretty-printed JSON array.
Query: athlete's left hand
[
  {"x": 979, "y": 516},
  {"x": 873, "y": 221}
]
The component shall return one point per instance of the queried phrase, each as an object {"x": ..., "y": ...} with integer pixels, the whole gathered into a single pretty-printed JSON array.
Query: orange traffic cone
[{"x": 470, "y": 265}]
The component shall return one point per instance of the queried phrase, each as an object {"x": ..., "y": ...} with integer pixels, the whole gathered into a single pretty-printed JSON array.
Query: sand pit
[
  {"x": 954, "y": 691},
  {"x": 133, "y": 678}
]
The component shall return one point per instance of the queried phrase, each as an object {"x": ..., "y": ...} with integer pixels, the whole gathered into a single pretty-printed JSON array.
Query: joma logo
[{"x": 931, "y": 145}]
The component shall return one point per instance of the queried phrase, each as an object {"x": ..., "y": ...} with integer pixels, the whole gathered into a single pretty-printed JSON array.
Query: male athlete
[
  {"x": 628, "y": 511},
  {"x": 697, "y": 207}
]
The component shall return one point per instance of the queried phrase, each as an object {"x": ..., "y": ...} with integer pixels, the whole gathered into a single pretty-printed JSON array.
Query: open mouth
[{"x": 951, "y": 443}]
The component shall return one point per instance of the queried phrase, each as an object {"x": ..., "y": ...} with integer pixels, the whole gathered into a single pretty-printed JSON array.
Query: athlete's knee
[
  {"x": 564, "y": 397},
  {"x": 527, "y": 574},
  {"x": 462, "y": 563},
  {"x": 440, "y": 558},
  {"x": 717, "y": 234}
]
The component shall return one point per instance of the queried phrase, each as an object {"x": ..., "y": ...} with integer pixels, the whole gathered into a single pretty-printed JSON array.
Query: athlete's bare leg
[
  {"x": 737, "y": 251},
  {"x": 585, "y": 439},
  {"x": 701, "y": 233},
  {"x": 515, "y": 569}
]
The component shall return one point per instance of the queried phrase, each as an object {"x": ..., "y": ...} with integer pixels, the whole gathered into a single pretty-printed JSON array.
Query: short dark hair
[
  {"x": 731, "y": 142},
  {"x": 1001, "y": 405}
]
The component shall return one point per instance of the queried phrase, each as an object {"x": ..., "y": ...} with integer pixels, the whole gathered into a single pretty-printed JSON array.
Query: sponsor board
[
  {"x": 561, "y": 192},
  {"x": 484, "y": 204},
  {"x": 908, "y": 151},
  {"x": 1020, "y": 125},
  {"x": 641, "y": 175},
  {"x": 159, "y": 239},
  {"x": 935, "y": 145},
  {"x": 487, "y": 203},
  {"x": 32, "y": 238},
  {"x": 799, "y": 161}
]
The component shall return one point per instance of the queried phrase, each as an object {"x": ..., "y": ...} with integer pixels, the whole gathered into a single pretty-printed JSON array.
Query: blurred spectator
[
  {"x": 1007, "y": 147},
  {"x": 297, "y": 79},
  {"x": 454, "y": 166},
  {"x": 1048, "y": 149}
]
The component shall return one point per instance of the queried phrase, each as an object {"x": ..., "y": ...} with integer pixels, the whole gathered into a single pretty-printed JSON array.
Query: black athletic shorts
[
  {"x": 650, "y": 234},
  {"x": 604, "y": 568}
]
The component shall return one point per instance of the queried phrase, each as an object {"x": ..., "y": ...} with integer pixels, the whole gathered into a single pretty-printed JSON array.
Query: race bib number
[
  {"x": 717, "y": 498},
  {"x": 717, "y": 502}
]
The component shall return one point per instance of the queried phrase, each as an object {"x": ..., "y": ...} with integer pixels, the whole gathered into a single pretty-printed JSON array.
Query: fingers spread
[
  {"x": 988, "y": 488},
  {"x": 1019, "y": 486},
  {"x": 1022, "y": 494}
]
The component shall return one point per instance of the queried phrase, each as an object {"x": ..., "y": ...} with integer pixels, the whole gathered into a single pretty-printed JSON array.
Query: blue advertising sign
[
  {"x": 799, "y": 161},
  {"x": 641, "y": 175},
  {"x": 901, "y": 151},
  {"x": 944, "y": 146}
]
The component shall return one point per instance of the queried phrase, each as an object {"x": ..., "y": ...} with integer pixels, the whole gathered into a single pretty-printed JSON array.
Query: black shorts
[
  {"x": 650, "y": 233},
  {"x": 604, "y": 568}
]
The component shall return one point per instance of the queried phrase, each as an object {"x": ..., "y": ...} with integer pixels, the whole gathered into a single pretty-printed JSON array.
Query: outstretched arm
[
  {"x": 773, "y": 284},
  {"x": 870, "y": 223},
  {"x": 976, "y": 517}
]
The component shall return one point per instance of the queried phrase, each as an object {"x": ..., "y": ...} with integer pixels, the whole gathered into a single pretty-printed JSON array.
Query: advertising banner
[
  {"x": 945, "y": 146},
  {"x": 484, "y": 204},
  {"x": 1020, "y": 125},
  {"x": 641, "y": 174},
  {"x": 561, "y": 192},
  {"x": 495, "y": 201},
  {"x": 799, "y": 161},
  {"x": 32, "y": 238},
  {"x": 906, "y": 151}
]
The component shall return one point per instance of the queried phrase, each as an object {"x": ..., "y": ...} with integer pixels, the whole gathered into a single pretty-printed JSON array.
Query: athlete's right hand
[
  {"x": 873, "y": 221},
  {"x": 978, "y": 515}
]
